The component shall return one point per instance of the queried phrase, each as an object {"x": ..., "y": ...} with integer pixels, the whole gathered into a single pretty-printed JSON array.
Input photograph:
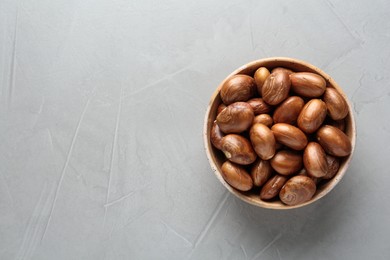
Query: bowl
[{"x": 216, "y": 157}]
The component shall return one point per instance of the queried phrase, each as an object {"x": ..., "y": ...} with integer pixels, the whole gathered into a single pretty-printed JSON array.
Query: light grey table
[{"x": 101, "y": 114}]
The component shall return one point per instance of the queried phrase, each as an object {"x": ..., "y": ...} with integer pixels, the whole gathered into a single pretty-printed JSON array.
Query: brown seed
[
  {"x": 235, "y": 118},
  {"x": 263, "y": 141},
  {"x": 216, "y": 136},
  {"x": 238, "y": 149},
  {"x": 221, "y": 107},
  {"x": 264, "y": 119},
  {"x": 289, "y": 110},
  {"x": 312, "y": 116},
  {"x": 260, "y": 76},
  {"x": 307, "y": 84},
  {"x": 236, "y": 176},
  {"x": 272, "y": 187},
  {"x": 286, "y": 162},
  {"x": 334, "y": 141},
  {"x": 238, "y": 88},
  {"x": 333, "y": 167},
  {"x": 290, "y": 136},
  {"x": 276, "y": 88},
  {"x": 259, "y": 106},
  {"x": 261, "y": 171},
  {"x": 336, "y": 104},
  {"x": 314, "y": 160},
  {"x": 297, "y": 190},
  {"x": 288, "y": 71}
]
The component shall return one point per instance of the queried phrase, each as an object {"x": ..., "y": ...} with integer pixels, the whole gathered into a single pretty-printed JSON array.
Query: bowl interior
[{"x": 216, "y": 157}]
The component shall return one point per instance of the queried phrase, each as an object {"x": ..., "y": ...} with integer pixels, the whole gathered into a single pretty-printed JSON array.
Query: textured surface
[{"x": 101, "y": 114}]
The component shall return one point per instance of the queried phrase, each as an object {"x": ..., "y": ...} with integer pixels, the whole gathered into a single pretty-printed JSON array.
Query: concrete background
[{"x": 101, "y": 114}]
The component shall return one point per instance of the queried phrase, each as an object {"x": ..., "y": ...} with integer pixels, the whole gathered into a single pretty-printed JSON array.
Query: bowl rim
[{"x": 265, "y": 204}]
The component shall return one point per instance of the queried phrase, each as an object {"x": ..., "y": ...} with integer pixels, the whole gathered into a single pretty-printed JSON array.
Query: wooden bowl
[{"x": 216, "y": 157}]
